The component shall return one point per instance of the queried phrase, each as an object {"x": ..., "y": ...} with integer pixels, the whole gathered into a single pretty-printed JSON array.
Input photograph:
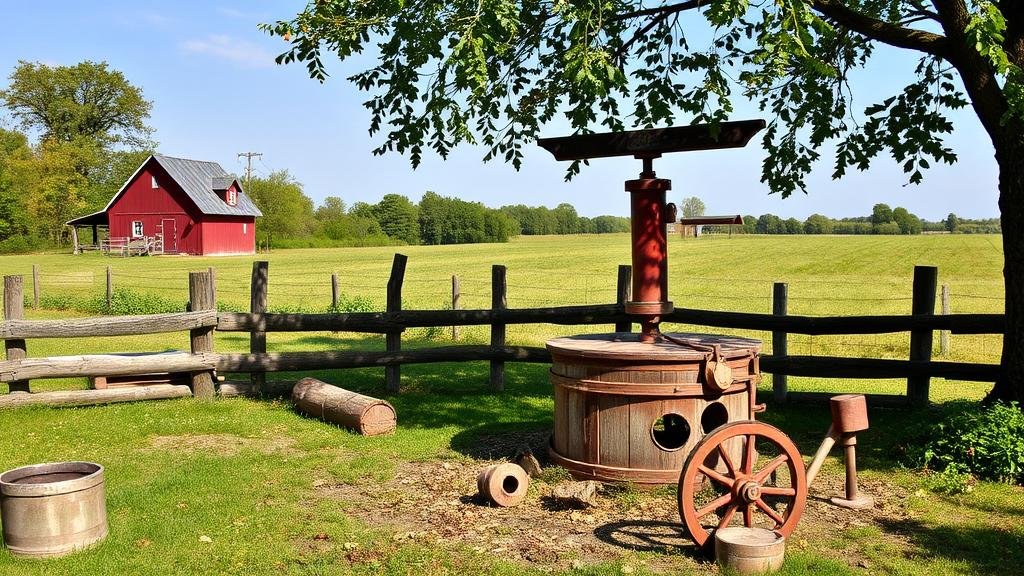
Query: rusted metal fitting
[{"x": 503, "y": 484}]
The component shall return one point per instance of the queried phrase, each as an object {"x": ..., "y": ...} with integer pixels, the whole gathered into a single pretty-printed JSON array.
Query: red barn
[{"x": 180, "y": 206}]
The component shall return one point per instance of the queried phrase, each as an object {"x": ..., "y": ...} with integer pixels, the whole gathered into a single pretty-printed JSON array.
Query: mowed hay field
[
  {"x": 240, "y": 486},
  {"x": 827, "y": 275}
]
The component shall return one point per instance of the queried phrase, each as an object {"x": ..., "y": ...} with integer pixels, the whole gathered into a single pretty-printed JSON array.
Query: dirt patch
[
  {"x": 436, "y": 503},
  {"x": 223, "y": 444}
]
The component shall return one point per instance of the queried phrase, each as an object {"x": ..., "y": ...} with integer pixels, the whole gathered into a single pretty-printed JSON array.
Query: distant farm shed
[{"x": 175, "y": 206}]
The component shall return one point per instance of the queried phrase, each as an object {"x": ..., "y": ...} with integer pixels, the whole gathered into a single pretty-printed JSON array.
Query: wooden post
[
  {"x": 35, "y": 286},
  {"x": 14, "y": 309},
  {"x": 780, "y": 344},
  {"x": 213, "y": 284},
  {"x": 944, "y": 334},
  {"x": 925, "y": 283},
  {"x": 456, "y": 305},
  {"x": 74, "y": 239},
  {"x": 334, "y": 292},
  {"x": 258, "y": 305},
  {"x": 393, "y": 374},
  {"x": 622, "y": 294},
  {"x": 110, "y": 288},
  {"x": 499, "y": 301},
  {"x": 200, "y": 294}
]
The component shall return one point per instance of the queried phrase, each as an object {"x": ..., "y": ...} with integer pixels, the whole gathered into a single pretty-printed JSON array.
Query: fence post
[
  {"x": 393, "y": 374},
  {"x": 35, "y": 286},
  {"x": 456, "y": 305},
  {"x": 213, "y": 284},
  {"x": 334, "y": 292},
  {"x": 110, "y": 289},
  {"x": 14, "y": 309},
  {"x": 944, "y": 334},
  {"x": 200, "y": 295},
  {"x": 258, "y": 305},
  {"x": 499, "y": 301},
  {"x": 622, "y": 295},
  {"x": 923, "y": 302},
  {"x": 780, "y": 343}
]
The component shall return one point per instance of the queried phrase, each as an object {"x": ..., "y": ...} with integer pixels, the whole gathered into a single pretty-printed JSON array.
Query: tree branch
[
  {"x": 880, "y": 30},
  {"x": 662, "y": 12}
]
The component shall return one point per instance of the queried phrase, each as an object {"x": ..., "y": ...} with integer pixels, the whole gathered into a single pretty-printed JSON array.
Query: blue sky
[{"x": 217, "y": 92}]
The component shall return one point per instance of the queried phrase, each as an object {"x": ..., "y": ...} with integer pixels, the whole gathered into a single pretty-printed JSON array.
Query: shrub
[
  {"x": 987, "y": 442},
  {"x": 20, "y": 245}
]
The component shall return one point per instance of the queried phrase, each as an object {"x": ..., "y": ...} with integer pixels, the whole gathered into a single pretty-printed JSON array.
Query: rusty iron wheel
[{"x": 766, "y": 488}]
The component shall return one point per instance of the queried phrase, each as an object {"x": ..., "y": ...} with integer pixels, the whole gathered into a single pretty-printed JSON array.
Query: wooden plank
[
  {"x": 575, "y": 412},
  {"x": 623, "y": 291},
  {"x": 925, "y": 285},
  {"x": 614, "y": 433},
  {"x": 592, "y": 427},
  {"x": 393, "y": 338},
  {"x": 832, "y": 325},
  {"x": 258, "y": 286},
  {"x": 560, "y": 433},
  {"x": 104, "y": 365},
  {"x": 200, "y": 295},
  {"x": 94, "y": 397},
  {"x": 108, "y": 325},
  {"x": 499, "y": 301},
  {"x": 837, "y": 367},
  {"x": 780, "y": 345},
  {"x": 643, "y": 453},
  {"x": 14, "y": 309},
  {"x": 323, "y": 360}
]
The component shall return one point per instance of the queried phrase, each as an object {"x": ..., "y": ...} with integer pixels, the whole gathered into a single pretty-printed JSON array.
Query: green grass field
[{"x": 260, "y": 482}]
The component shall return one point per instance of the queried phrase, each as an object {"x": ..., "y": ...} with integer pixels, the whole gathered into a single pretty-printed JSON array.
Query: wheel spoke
[
  {"x": 771, "y": 467},
  {"x": 749, "y": 455},
  {"x": 776, "y": 491},
  {"x": 779, "y": 520},
  {"x": 727, "y": 460},
  {"x": 714, "y": 505},
  {"x": 716, "y": 476},
  {"x": 727, "y": 517},
  {"x": 748, "y": 516}
]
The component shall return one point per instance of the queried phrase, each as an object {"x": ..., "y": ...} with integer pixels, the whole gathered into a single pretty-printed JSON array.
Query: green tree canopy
[
  {"x": 87, "y": 100},
  {"x": 692, "y": 207},
  {"x": 398, "y": 218},
  {"x": 287, "y": 211}
]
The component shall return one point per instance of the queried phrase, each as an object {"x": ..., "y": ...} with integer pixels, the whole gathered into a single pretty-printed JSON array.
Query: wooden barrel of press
[{"x": 630, "y": 411}]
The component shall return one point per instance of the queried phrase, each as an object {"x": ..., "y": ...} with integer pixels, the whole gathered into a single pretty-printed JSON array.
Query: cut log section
[
  {"x": 94, "y": 397},
  {"x": 503, "y": 484},
  {"x": 363, "y": 414}
]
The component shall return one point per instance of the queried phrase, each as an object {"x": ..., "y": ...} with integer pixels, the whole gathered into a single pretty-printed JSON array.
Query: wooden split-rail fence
[{"x": 202, "y": 319}]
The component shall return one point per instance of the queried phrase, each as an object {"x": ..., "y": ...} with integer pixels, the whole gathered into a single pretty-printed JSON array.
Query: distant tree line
[
  {"x": 883, "y": 220},
  {"x": 291, "y": 221}
]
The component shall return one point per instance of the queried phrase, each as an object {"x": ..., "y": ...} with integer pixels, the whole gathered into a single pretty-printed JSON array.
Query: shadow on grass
[
  {"x": 986, "y": 550},
  {"x": 648, "y": 536}
]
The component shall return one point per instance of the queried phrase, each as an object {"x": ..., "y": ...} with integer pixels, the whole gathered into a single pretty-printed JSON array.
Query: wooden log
[
  {"x": 745, "y": 550},
  {"x": 93, "y": 397},
  {"x": 104, "y": 365},
  {"x": 363, "y": 414},
  {"x": 271, "y": 389},
  {"x": 14, "y": 309},
  {"x": 383, "y": 322},
  {"x": 623, "y": 290},
  {"x": 499, "y": 301},
  {"x": 925, "y": 284},
  {"x": 780, "y": 344},
  {"x": 258, "y": 287},
  {"x": 393, "y": 338},
  {"x": 325, "y": 360},
  {"x": 200, "y": 295},
  {"x": 108, "y": 325}
]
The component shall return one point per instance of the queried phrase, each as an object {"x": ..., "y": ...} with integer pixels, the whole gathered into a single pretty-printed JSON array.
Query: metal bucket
[{"x": 53, "y": 509}]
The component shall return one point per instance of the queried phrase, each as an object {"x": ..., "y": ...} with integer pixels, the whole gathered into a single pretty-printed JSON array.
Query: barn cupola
[{"x": 226, "y": 188}]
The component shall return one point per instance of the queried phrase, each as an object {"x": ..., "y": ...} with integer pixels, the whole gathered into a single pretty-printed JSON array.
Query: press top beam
[{"x": 653, "y": 142}]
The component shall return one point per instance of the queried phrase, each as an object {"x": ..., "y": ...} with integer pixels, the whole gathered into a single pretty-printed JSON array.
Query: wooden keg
[{"x": 631, "y": 411}]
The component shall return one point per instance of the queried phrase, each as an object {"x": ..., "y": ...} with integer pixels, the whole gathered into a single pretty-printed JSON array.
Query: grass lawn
[{"x": 249, "y": 487}]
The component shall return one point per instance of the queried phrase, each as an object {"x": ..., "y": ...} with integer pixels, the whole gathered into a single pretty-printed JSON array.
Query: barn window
[
  {"x": 137, "y": 228},
  {"x": 245, "y": 227},
  {"x": 232, "y": 197},
  {"x": 154, "y": 183}
]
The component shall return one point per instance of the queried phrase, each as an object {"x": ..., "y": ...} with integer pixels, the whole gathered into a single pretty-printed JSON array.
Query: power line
[{"x": 249, "y": 164}]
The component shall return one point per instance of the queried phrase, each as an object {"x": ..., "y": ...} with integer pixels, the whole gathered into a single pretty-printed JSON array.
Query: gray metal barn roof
[{"x": 199, "y": 179}]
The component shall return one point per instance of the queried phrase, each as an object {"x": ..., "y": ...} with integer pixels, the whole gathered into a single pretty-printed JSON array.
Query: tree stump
[{"x": 363, "y": 414}]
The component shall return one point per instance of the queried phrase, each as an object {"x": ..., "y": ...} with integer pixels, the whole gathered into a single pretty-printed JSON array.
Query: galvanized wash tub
[{"x": 53, "y": 509}]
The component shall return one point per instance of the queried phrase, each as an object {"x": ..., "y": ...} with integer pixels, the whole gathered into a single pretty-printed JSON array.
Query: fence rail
[{"x": 204, "y": 320}]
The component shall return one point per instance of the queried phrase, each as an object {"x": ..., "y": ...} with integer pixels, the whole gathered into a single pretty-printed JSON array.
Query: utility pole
[{"x": 248, "y": 166}]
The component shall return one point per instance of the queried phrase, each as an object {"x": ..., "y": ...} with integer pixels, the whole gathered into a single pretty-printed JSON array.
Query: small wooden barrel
[
  {"x": 629, "y": 411},
  {"x": 749, "y": 550}
]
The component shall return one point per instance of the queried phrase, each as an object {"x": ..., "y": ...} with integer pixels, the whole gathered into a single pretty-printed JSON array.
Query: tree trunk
[{"x": 1010, "y": 157}]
